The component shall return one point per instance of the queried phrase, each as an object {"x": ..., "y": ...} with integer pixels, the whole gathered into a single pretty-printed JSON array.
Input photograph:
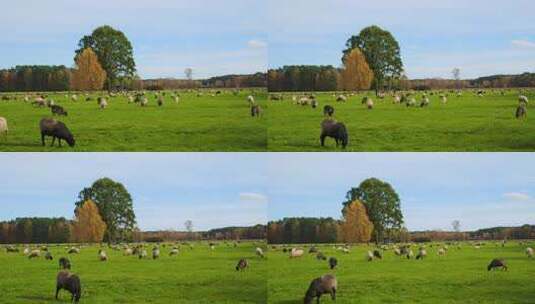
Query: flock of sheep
[
  {"x": 50, "y": 126},
  {"x": 327, "y": 284},
  {"x": 69, "y": 281},
  {"x": 338, "y": 131}
]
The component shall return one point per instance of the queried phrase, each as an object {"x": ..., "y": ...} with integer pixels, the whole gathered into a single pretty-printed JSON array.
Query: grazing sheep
[
  {"x": 58, "y": 110},
  {"x": 441, "y": 251},
  {"x": 142, "y": 254},
  {"x": 256, "y": 110},
  {"x": 259, "y": 252},
  {"x": 328, "y": 110},
  {"x": 377, "y": 254},
  {"x": 424, "y": 102},
  {"x": 56, "y": 129},
  {"x": 521, "y": 111},
  {"x": 333, "y": 129},
  {"x": 160, "y": 100},
  {"x": 155, "y": 253},
  {"x": 410, "y": 254},
  {"x": 321, "y": 256},
  {"x": 73, "y": 250},
  {"x": 250, "y": 100},
  {"x": 523, "y": 100},
  {"x": 341, "y": 98},
  {"x": 26, "y": 251},
  {"x": 443, "y": 99},
  {"x": 177, "y": 99},
  {"x": 242, "y": 264},
  {"x": 127, "y": 252},
  {"x": 144, "y": 102},
  {"x": 11, "y": 248},
  {"x": 529, "y": 252},
  {"x": 397, "y": 251},
  {"x": 102, "y": 102},
  {"x": 64, "y": 263},
  {"x": 369, "y": 103},
  {"x": 3, "y": 126},
  {"x": 369, "y": 256},
  {"x": 304, "y": 101},
  {"x": 422, "y": 253},
  {"x": 174, "y": 251},
  {"x": 102, "y": 255},
  {"x": 71, "y": 282},
  {"x": 50, "y": 103},
  {"x": 333, "y": 262},
  {"x": 39, "y": 102},
  {"x": 397, "y": 99},
  {"x": 497, "y": 263},
  {"x": 48, "y": 256},
  {"x": 74, "y": 98},
  {"x": 314, "y": 103},
  {"x": 325, "y": 284},
  {"x": 34, "y": 254},
  {"x": 296, "y": 253},
  {"x": 130, "y": 99}
]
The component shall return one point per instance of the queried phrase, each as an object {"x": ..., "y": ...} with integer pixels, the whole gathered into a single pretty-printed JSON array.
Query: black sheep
[
  {"x": 64, "y": 263},
  {"x": 70, "y": 282},
  {"x": 377, "y": 254},
  {"x": 58, "y": 110},
  {"x": 256, "y": 111},
  {"x": 328, "y": 110},
  {"x": 333, "y": 262},
  {"x": 319, "y": 286},
  {"x": 336, "y": 130},
  {"x": 56, "y": 129},
  {"x": 497, "y": 263},
  {"x": 321, "y": 256},
  {"x": 242, "y": 264},
  {"x": 521, "y": 111}
]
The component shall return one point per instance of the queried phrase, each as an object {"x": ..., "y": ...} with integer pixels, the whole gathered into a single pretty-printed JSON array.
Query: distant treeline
[
  {"x": 257, "y": 232},
  {"x": 35, "y": 230},
  {"x": 35, "y": 78},
  {"x": 39, "y": 230},
  {"x": 26, "y": 78},
  {"x": 299, "y": 78},
  {"x": 326, "y": 230}
]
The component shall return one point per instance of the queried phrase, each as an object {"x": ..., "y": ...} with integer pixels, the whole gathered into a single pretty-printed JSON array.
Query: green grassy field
[
  {"x": 205, "y": 123},
  {"x": 197, "y": 275},
  {"x": 460, "y": 276},
  {"x": 466, "y": 123}
]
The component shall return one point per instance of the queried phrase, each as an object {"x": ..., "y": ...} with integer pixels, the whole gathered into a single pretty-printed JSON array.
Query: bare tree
[
  {"x": 456, "y": 224},
  {"x": 189, "y": 227},
  {"x": 456, "y": 72}
]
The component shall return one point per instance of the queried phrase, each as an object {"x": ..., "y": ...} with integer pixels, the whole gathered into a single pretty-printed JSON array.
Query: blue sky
[
  {"x": 212, "y": 37},
  {"x": 221, "y": 189},
  {"x": 481, "y": 37},
  {"x": 479, "y": 189},
  {"x": 211, "y": 189}
]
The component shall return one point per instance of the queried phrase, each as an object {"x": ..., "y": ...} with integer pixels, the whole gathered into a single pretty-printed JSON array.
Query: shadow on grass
[
  {"x": 39, "y": 298},
  {"x": 296, "y": 301}
]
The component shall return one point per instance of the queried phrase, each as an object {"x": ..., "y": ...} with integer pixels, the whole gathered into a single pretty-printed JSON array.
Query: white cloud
[
  {"x": 523, "y": 44},
  {"x": 256, "y": 44},
  {"x": 253, "y": 197},
  {"x": 517, "y": 196}
]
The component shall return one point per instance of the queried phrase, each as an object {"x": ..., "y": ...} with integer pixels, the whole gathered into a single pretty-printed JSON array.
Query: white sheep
[
  {"x": 102, "y": 103},
  {"x": 259, "y": 252},
  {"x": 443, "y": 99},
  {"x": 3, "y": 126},
  {"x": 441, "y": 251},
  {"x": 74, "y": 97},
  {"x": 523, "y": 99},
  {"x": 341, "y": 98},
  {"x": 296, "y": 253},
  {"x": 102, "y": 255},
  {"x": 529, "y": 252},
  {"x": 369, "y": 256}
]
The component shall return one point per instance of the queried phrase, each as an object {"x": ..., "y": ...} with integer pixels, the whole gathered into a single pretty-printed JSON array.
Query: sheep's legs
[
  {"x": 43, "y": 138},
  {"x": 53, "y": 141},
  {"x": 57, "y": 291},
  {"x": 333, "y": 294},
  {"x": 322, "y": 139}
]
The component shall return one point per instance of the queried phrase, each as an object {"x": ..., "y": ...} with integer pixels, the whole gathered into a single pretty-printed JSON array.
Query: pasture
[
  {"x": 206, "y": 122},
  {"x": 197, "y": 275},
  {"x": 466, "y": 123},
  {"x": 460, "y": 276}
]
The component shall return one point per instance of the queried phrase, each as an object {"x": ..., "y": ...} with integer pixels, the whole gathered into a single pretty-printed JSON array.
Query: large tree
[
  {"x": 382, "y": 205},
  {"x": 114, "y": 53},
  {"x": 88, "y": 74},
  {"x": 88, "y": 225},
  {"x": 356, "y": 73},
  {"x": 382, "y": 53},
  {"x": 355, "y": 227},
  {"x": 115, "y": 206}
]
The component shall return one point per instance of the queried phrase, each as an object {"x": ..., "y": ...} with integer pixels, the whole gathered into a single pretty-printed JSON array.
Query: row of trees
[
  {"x": 35, "y": 78},
  {"x": 371, "y": 211},
  {"x": 87, "y": 226}
]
